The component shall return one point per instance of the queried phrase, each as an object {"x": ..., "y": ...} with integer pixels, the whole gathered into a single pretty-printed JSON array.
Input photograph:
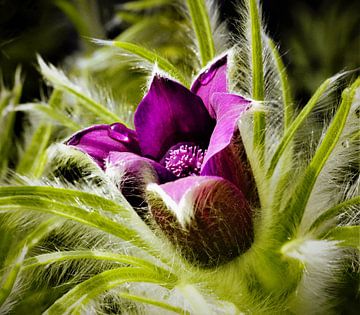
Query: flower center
[{"x": 185, "y": 160}]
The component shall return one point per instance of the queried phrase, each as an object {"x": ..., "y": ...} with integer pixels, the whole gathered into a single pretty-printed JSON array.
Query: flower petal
[
  {"x": 211, "y": 81},
  {"x": 134, "y": 165},
  {"x": 131, "y": 173},
  {"x": 168, "y": 114},
  {"x": 99, "y": 140},
  {"x": 206, "y": 217},
  {"x": 222, "y": 159}
]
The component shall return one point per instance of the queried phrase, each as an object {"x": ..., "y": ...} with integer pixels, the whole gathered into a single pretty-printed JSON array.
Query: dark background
[{"x": 28, "y": 27}]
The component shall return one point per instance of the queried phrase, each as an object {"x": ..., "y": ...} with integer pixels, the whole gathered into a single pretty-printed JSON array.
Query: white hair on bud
[
  {"x": 322, "y": 262},
  {"x": 157, "y": 191},
  {"x": 338, "y": 180}
]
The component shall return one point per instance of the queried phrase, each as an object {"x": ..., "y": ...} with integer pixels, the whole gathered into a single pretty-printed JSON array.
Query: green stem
[{"x": 258, "y": 89}]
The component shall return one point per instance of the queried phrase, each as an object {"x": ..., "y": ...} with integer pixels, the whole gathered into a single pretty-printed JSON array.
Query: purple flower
[{"x": 184, "y": 159}]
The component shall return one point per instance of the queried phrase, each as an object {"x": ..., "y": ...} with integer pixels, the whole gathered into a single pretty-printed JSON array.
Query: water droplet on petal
[
  {"x": 207, "y": 76},
  {"x": 119, "y": 132},
  {"x": 74, "y": 140}
]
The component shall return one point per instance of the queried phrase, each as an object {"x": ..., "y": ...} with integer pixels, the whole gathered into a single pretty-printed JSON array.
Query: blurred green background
[{"x": 317, "y": 38}]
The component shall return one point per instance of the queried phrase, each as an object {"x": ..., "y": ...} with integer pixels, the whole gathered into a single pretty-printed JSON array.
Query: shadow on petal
[
  {"x": 97, "y": 141},
  {"x": 168, "y": 114},
  {"x": 206, "y": 217},
  {"x": 131, "y": 173},
  {"x": 212, "y": 80},
  {"x": 225, "y": 156}
]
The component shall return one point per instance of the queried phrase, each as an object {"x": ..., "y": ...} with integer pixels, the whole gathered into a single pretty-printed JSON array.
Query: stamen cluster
[{"x": 185, "y": 160}]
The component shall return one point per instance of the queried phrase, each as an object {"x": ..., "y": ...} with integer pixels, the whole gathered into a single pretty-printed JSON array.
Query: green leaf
[
  {"x": 85, "y": 16},
  {"x": 286, "y": 140},
  {"x": 66, "y": 195},
  {"x": 144, "y": 4},
  {"x": 5, "y": 97},
  {"x": 129, "y": 17},
  {"x": 53, "y": 113},
  {"x": 154, "y": 22},
  {"x": 285, "y": 86},
  {"x": 86, "y": 208},
  {"x": 90, "y": 218},
  {"x": 9, "y": 102},
  {"x": 59, "y": 256},
  {"x": 14, "y": 261},
  {"x": 84, "y": 292},
  {"x": 163, "y": 305},
  {"x": 258, "y": 88},
  {"x": 202, "y": 27},
  {"x": 32, "y": 161},
  {"x": 133, "y": 31},
  {"x": 73, "y": 14},
  {"x": 195, "y": 298},
  {"x": 149, "y": 56},
  {"x": 56, "y": 99},
  {"x": 348, "y": 235},
  {"x": 334, "y": 211},
  {"x": 61, "y": 82},
  {"x": 297, "y": 204}
]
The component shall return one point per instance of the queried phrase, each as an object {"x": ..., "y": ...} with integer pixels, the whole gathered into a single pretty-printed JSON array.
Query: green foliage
[
  {"x": 347, "y": 235},
  {"x": 151, "y": 57},
  {"x": 16, "y": 257},
  {"x": 143, "y": 5},
  {"x": 88, "y": 22},
  {"x": 201, "y": 23},
  {"x": 322, "y": 43},
  {"x": 125, "y": 72},
  {"x": 9, "y": 99},
  {"x": 258, "y": 88},
  {"x": 71, "y": 243},
  {"x": 285, "y": 86}
]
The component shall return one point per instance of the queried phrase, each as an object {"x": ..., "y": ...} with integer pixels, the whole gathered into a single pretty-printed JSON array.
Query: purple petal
[
  {"x": 99, "y": 140},
  {"x": 206, "y": 217},
  {"x": 131, "y": 173},
  {"x": 222, "y": 159},
  {"x": 211, "y": 81},
  {"x": 168, "y": 114},
  {"x": 133, "y": 165}
]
